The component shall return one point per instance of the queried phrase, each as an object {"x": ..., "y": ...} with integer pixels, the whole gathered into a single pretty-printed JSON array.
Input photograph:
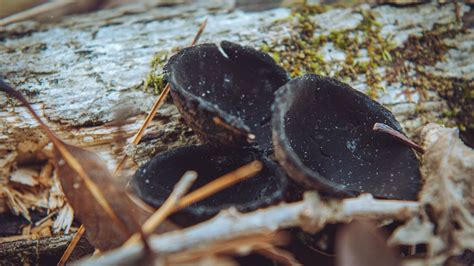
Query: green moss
[
  {"x": 305, "y": 9},
  {"x": 427, "y": 49},
  {"x": 300, "y": 53},
  {"x": 459, "y": 94},
  {"x": 366, "y": 36},
  {"x": 155, "y": 80}
]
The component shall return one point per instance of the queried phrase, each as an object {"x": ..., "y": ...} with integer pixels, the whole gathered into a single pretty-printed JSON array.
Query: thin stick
[
  {"x": 311, "y": 214},
  {"x": 174, "y": 203},
  {"x": 72, "y": 245},
  {"x": 151, "y": 114},
  {"x": 120, "y": 164},
  {"x": 218, "y": 121},
  {"x": 156, "y": 105},
  {"x": 44, "y": 219},
  {"x": 220, "y": 183},
  {"x": 167, "y": 208},
  {"x": 399, "y": 136},
  {"x": 163, "y": 94}
]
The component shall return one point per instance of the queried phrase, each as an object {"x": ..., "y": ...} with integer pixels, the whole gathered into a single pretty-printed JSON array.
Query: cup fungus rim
[
  {"x": 281, "y": 105},
  {"x": 237, "y": 124},
  {"x": 285, "y": 154},
  {"x": 278, "y": 174}
]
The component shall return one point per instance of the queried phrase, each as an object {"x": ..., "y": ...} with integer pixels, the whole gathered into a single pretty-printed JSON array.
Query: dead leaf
[
  {"x": 108, "y": 214},
  {"x": 102, "y": 230},
  {"x": 362, "y": 244},
  {"x": 446, "y": 224}
]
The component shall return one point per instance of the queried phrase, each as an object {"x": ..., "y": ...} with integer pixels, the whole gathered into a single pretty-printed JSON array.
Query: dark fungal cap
[
  {"x": 155, "y": 180},
  {"x": 225, "y": 92},
  {"x": 324, "y": 139}
]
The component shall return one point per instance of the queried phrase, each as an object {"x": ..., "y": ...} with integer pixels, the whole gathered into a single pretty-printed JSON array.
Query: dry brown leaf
[
  {"x": 446, "y": 225},
  {"x": 360, "y": 243},
  {"x": 101, "y": 229},
  {"x": 108, "y": 214}
]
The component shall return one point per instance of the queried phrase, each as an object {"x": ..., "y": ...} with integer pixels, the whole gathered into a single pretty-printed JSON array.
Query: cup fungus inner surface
[
  {"x": 155, "y": 180},
  {"x": 235, "y": 82},
  {"x": 328, "y": 127}
]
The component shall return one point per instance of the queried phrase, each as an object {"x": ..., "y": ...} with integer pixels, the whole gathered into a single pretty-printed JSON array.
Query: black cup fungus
[
  {"x": 154, "y": 181},
  {"x": 323, "y": 138},
  {"x": 225, "y": 92}
]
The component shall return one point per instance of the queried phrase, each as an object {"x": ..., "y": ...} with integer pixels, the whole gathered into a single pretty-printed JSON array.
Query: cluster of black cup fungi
[{"x": 245, "y": 107}]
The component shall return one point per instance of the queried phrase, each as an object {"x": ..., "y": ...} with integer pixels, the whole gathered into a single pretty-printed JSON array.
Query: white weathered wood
[{"x": 310, "y": 214}]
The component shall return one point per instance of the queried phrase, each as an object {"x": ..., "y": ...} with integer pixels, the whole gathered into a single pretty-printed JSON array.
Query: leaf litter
[
  {"x": 446, "y": 222},
  {"x": 85, "y": 180}
]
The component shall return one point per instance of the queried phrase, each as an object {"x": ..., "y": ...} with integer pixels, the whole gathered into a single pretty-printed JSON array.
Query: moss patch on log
[
  {"x": 155, "y": 79},
  {"x": 301, "y": 53},
  {"x": 376, "y": 58},
  {"x": 409, "y": 68}
]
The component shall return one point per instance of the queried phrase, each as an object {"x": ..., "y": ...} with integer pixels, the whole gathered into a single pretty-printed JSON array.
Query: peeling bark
[{"x": 41, "y": 251}]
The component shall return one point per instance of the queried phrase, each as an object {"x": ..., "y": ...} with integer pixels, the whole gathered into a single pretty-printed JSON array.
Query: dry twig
[
  {"x": 72, "y": 245},
  {"x": 398, "y": 136},
  {"x": 311, "y": 214},
  {"x": 156, "y": 105},
  {"x": 174, "y": 202},
  {"x": 168, "y": 206},
  {"x": 220, "y": 183}
]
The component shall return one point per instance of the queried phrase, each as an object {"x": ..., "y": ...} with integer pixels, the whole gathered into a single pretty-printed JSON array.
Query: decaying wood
[
  {"x": 44, "y": 250},
  {"x": 81, "y": 72},
  {"x": 311, "y": 214}
]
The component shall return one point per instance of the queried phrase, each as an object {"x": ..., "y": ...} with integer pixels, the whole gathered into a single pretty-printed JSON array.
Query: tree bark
[{"x": 41, "y": 251}]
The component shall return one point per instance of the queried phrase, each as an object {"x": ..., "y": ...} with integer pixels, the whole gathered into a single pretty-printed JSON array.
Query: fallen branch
[
  {"x": 311, "y": 214},
  {"x": 32, "y": 250}
]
